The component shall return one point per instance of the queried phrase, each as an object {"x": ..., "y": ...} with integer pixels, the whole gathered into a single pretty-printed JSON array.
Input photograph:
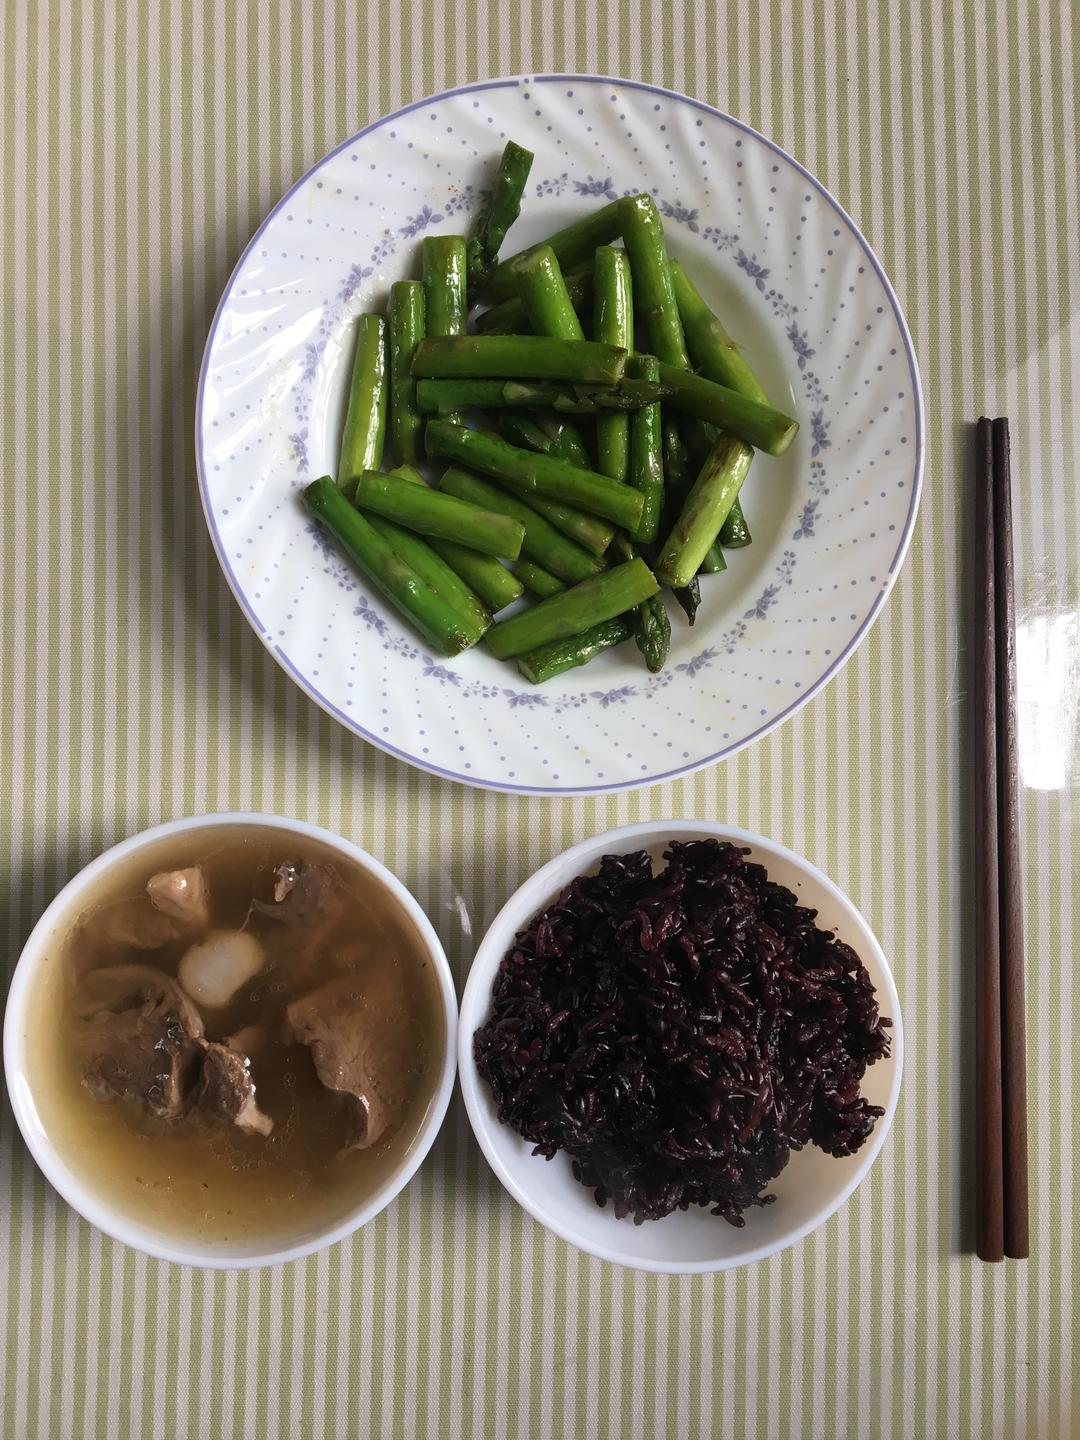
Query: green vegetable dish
[{"x": 582, "y": 479}]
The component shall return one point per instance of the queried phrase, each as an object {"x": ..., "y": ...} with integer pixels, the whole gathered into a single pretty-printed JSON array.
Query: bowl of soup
[{"x": 230, "y": 1040}]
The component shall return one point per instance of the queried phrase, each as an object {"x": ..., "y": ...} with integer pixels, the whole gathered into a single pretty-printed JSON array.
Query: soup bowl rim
[{"x": 162, "y": 1243}]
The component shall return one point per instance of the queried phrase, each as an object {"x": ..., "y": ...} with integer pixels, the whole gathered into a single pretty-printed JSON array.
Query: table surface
[{"x": 140, "y": 146}]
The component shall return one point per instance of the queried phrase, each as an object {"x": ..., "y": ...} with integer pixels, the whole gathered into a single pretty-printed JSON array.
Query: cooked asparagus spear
[
  {"x": 406, "y": 326},
  {"x": 652, "y": 632},
  {"x": 547, "y": 302},
  {"x": 429, "y": 512},
  {"x": 517, "y": 429},
  {"x": 735, "y": 533},
  {"x": 513, "y": 357},
  {"x": 679, "y": 472},
  {"x": 526, "y": 473},
  {"x": 678, "y": 466},
  {"x": 689, "y": 598},
  {"x": 700, "y": 440},
  {"x": 537, "y": 581},
  {"x": 483, "y": 574},
  {"x": 595, "y": 535},
  {"x": 365, "y": 417},
  {"x": 432, "y": 569},
  {"x": 590, "y": 533},
  {"x": 714, "y": 561},
  {"x": 543, "y": 544},
  {"x": 567, "y": 438},
  {"x": 442, "y": 396},
  {"x": 646, "y": 457},
  {"x": 509, "y": 318},
  {"x": 443, "y": 258},
  {"x": 652, "y": 628},
  {"x": 613, "y": 324},
  {"x": 546, "y": 434},
  {"x": 439, "y": 621},
  {"x": 643, "y": 234},
  {"x": 703, "y": 511},
  {"x": 718, "y": 358},
  {"x": 573, "y": 246},
  {"x": 561, "y": 655},
  {"x": 628, "y": 395},
  {"x": 654, "y": 294},
  {"x": 677, "y": 481},
  {"x": 748, "y": 420},
  {"x": 600, "y": 598},
  {"x": 500, "y": 212},
  {"x": 711, "y": 348},
  {"x": 551, "y": 433}
]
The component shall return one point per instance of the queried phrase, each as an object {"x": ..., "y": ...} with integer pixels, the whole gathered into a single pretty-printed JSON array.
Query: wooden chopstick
[
  {"x": 989, "y": 1135},
  {"x": 1010, "y": 893},
  {"x": 1001, "y": 1088}
]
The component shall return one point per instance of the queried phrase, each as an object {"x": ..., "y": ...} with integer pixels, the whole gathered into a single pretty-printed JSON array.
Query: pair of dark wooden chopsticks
[{"x": 1001, "y": 1085}]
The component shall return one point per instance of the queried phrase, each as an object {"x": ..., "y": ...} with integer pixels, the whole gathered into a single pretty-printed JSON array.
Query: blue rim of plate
[{"x": 725, "y": 753}]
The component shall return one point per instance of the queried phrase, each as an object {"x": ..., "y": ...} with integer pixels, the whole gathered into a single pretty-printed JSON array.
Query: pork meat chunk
[
  {"x": 307, "y": 899},
  {"x": 363, "y": 1052},
  {"x": 183, "y": 895},
  {"x": 138, "y": 1038},
  {"x": 226, "y": 1089}
]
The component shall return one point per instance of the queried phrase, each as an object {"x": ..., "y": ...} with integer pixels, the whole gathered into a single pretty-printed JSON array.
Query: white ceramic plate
[
  {"x": 782, "y": 264},
  {"x": 813, "y": 1185}
]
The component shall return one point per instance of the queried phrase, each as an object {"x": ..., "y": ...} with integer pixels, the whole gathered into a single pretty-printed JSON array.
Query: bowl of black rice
[{"x": 680, "y": 1046}]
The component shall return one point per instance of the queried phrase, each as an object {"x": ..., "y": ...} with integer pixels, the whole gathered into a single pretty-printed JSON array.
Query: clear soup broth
[{"x": 196, "y": 1175}]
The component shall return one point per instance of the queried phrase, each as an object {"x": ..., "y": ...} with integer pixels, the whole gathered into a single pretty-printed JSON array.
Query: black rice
[{"x": 679, "y": 1034}]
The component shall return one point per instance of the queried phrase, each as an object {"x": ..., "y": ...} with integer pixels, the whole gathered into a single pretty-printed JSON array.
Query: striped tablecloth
[{"x": 140, "y": 144}]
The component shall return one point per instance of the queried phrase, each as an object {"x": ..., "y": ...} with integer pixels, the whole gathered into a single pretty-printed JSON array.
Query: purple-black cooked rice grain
[{"x": 679, "y": 1034}]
